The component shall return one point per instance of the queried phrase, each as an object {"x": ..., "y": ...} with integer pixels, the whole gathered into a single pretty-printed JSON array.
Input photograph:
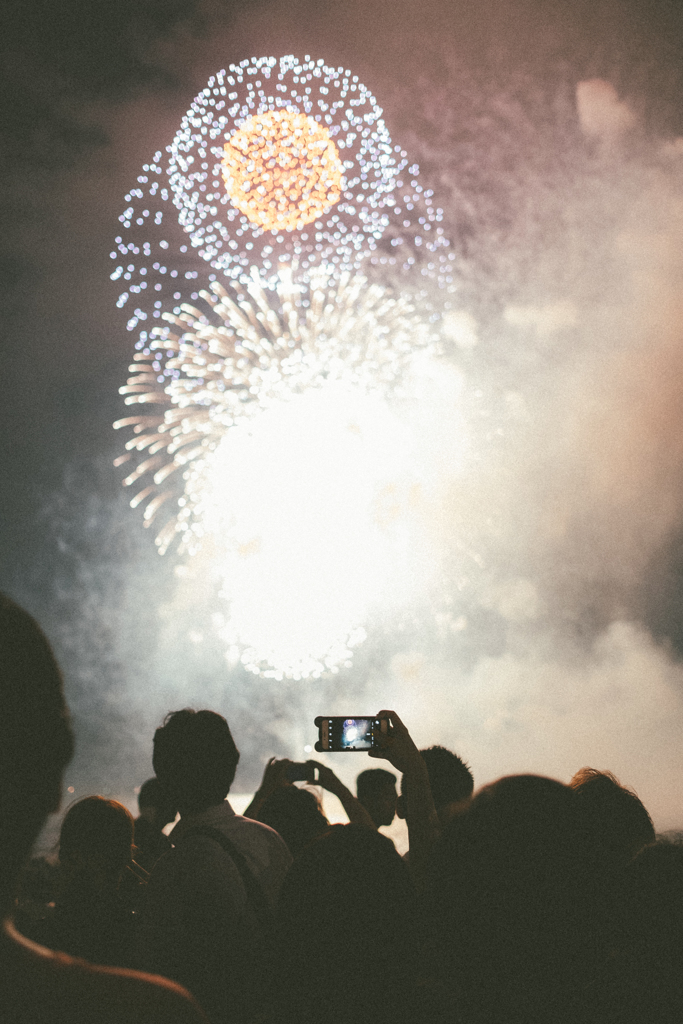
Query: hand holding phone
[
  {"x": 301, "y": 771},
  {"x": 326, "y": 778},
  {"x": 353, "y": 807},
  {"x": 274, "y": 776},
  {"x": 395, "y": 744},
  {"x": 342, "y": 733}
]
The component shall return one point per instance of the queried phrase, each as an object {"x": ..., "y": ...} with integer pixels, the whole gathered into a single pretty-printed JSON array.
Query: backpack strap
[{"x": 254, "y": 890}]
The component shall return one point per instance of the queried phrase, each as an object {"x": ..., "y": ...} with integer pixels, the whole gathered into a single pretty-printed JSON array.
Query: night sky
[{"x": 565, "y": 207}]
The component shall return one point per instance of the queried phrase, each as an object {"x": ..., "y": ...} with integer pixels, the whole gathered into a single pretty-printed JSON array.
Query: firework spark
[
  {"x": 371, "y": 207},
  {"x": 282, "y": 170}
]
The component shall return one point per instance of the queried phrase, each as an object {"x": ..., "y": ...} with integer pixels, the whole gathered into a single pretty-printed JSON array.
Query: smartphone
[
  {"x": 299, "y": 771},
  {"x": 342, "y": 733}
]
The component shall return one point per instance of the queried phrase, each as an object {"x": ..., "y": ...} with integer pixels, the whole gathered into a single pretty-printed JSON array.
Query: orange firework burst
[{"x": 282, "y": 170}]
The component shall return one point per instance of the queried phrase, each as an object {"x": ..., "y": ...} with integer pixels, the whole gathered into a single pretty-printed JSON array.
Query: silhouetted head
[
  {"x": 296, "y": 814},
  {"x": 346, "y": 917},
  {"x": 647, "y": 948},
  {"x": 615, "y": 818},
  {"x": 96, "y": 839},
  {"x": 511, "y": 896},
  {"x": 36, "y": 742},
  {"x": 195, "y": 759},
  {"x": 155, "y": 803},
  {"x": 376, "y": 790},
  {"x": 450, "y": 780}
]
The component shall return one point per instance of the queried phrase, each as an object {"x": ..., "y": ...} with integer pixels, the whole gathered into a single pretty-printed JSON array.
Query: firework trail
[{"x": 315, "y": 259}]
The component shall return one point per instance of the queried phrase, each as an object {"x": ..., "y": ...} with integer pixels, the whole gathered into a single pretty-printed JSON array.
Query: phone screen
[
  {"x": 354, "y": 733},
  {"x": 341, "y": 733}
]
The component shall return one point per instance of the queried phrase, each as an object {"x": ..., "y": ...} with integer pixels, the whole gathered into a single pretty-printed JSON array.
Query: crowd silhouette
[{"x": 527, "y": 901}]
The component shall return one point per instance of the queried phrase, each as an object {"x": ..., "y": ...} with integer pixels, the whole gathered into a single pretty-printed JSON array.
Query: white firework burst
[{"x": 237, "y": 353}]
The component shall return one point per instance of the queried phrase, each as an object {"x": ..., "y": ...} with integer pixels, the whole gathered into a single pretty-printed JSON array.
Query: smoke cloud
[{"x": 553, "y": 638}]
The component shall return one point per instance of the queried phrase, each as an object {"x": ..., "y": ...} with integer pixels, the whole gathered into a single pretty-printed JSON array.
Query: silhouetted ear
[{"x": 401, "y": 806}]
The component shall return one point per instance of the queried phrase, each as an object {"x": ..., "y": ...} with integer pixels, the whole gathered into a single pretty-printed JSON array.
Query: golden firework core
[{"x": 282, "y": 170}]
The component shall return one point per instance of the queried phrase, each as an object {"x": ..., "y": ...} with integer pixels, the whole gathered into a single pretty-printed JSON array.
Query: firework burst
[
  {"x": 276, "y": 162},
  {"x": 285, "y": 249},
  {"x": 240, "y": 353}
]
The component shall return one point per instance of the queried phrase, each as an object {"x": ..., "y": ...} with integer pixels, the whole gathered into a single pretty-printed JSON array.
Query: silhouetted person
[
  {"x": 93, "y": 914},
  {"x": 208, "y": 914},
  {"x": 512, "y": 904},
  {"x": 347, "y": 932},
  {"x": 39, "y": 986},
  {"x": 643, "y": 977},
  {"x": 417, "y": 802},
  {"x": 616, "y": 819},
  {"x": 275, "y": 776},
  {"x": 295, "y": 814},
  {"x": 156, "y": 811},
  {"x": 450, "y": 780},
  {"x": 376, "y": 790}
]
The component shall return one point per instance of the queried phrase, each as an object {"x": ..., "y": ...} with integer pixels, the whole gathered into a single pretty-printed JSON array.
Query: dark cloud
[{"x": 55, "y": 55}]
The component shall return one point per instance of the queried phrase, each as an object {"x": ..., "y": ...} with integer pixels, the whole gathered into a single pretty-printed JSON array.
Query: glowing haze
[
  {"x": 318, "y": 506},
  {"x": 551, "y": 635}
]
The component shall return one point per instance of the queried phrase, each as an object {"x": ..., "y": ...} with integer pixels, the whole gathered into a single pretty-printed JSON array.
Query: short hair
[
  {"x": 97, "y": 830},
  {"x": 450, "y": 778},
  {"x": 195, "y": 758},
  {"x": 373, "y": 781},
  {"x": 613, "y": 814},
  {"x": 36, "y": 740},
  {"x": 295, "y": 814}
]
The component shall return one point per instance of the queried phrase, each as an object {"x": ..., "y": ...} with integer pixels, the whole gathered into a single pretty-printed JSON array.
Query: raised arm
[
  {"x": 274, "y": 776},
  {"x": 423, "y": 824},
  {"x": 354, "y": 809}
]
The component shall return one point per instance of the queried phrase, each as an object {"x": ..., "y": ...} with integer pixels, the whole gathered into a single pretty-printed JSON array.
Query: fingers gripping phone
[{"x": 341, "y": 733}]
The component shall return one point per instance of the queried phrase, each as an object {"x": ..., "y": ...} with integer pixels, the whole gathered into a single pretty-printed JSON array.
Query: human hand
[
  {"x": 397, "y": 746},
  {"x": 274, "y": 776},
  {"x": 326, "y": 778}
]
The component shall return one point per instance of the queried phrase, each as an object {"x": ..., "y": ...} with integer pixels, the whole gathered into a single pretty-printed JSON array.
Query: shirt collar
[{"x": 214, "y": 815}]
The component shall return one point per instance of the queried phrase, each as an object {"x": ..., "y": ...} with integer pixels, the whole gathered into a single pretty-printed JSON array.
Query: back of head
[
  {"x": 153, "y": 797},
  {"x": 195, "y": 758},
  {"x": 509, "y": 896},
  {"x": 349, "y": 866},
  {"x": 615, "y": 818},
  {"x": 373, "y": 782},
  {"x": 376, "y": 789},
  {"x": 450, "y": 780},
  {"x": 296, "y": 814},
  {"x": 152, "y": 794},
  {"x": 96, "y": 835},
  {"x": 36, "y": 742}
]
